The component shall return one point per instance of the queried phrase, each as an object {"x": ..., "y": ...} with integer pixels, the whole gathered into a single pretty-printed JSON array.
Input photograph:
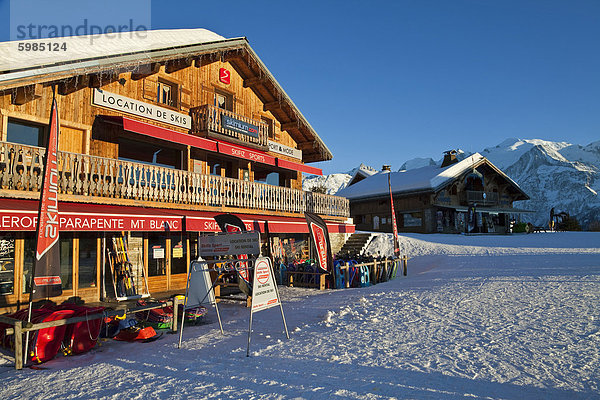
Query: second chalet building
[
  {"x": 468, "y": 196},
  {"x": 157, "y": 136}
]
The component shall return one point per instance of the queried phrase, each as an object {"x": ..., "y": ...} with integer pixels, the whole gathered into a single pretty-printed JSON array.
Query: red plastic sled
[
  {"x": 81, "y": 336},
  {"x": 44, "y": 343}
]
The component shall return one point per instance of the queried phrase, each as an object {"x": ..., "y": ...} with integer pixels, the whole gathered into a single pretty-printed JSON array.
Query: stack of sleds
[{"x": 45, "y": 343}]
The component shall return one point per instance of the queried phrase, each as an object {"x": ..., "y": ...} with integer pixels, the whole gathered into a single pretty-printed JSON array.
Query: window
[
  {"x": 24, "y": 132},
  {"x": 178, "y": 255},
  {"x": 7, "y": 263},
  {"x": 157, "y": 254},
  {"x": 167, "y": 93},
  {"x": 65, "y": 243},
  {"x": 88, "y": 246},
  {"x": 133, "y": 150},
  {"x": 224, "y": 100}
]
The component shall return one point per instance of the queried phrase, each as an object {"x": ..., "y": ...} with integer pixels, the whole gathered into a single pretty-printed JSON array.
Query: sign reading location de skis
[{"x": 264, "y": 291}]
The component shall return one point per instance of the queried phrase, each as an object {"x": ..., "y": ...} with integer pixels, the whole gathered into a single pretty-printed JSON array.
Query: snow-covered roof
[
  {"x": 79, "y": 48},
  {"x": 363, "y": 171},
  {"x": 425, "y": 179}
]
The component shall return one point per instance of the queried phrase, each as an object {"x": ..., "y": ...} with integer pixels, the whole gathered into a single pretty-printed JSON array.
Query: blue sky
[{"x": 386, "y": 81}]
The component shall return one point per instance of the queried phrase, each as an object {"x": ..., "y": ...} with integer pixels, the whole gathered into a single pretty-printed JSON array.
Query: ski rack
[{"x": 119, "y": 258}]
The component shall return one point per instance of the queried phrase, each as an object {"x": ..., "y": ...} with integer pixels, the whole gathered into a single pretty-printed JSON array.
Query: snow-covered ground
[{"x": 500, "y": 317}]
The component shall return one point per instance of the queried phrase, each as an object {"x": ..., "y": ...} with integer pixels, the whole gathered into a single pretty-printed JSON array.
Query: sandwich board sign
[
  {"x": 264, "y": 293},
  {"x": 199, "y": 291}
]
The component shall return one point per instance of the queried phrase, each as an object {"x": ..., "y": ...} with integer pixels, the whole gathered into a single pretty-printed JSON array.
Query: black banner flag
[
  {"x": 46, "y": 266},
  {"x": 320, "y": 238}
]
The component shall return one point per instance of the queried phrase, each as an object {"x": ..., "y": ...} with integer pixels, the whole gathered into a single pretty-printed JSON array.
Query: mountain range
[{"x": 554, "y": 174}]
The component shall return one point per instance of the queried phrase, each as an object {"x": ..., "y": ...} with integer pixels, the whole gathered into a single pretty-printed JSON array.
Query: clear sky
[{"x": 386, "y": 81}]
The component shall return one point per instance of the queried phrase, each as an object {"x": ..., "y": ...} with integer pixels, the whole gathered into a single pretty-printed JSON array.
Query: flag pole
[
  {"x": 46, "y": 255},
  {"x": 394, "y": 226}
]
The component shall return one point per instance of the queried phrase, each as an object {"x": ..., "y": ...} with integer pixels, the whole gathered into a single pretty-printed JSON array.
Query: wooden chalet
[
  {"x": 157, "y": 136},
  {"x": 437, "y": 198}
]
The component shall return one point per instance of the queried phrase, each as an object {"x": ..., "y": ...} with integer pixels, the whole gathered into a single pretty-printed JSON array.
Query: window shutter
[
  {"x": 185, "y": 99},
  {"x": 150, "y": 89}
]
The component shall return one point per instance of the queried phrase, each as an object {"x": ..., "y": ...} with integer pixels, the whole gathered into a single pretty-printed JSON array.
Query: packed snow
[{"x": 493, "y": 317}]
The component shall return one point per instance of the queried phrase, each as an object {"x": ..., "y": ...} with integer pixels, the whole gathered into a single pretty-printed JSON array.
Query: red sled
[
  {"x": 81, "y": 336},
  {"x": 131, "y": 334},
  {"x": 44, "y": 343}
]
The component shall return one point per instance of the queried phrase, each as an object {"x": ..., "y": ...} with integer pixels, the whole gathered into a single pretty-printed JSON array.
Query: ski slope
[{"x": 485, "y": 317}]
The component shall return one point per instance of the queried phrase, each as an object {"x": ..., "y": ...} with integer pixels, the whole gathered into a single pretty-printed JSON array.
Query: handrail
[
  {"x": 21, "y": 168},
  {"x": 209, "y": 118}
]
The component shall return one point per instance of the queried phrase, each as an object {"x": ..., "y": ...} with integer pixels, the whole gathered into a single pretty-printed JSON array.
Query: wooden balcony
[
  {"x": 214, "y": 122},
  {"x": 83, "y": 175},
  {"x": 481, "y": 198}
]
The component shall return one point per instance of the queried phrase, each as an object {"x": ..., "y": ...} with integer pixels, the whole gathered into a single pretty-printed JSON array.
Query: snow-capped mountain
[{"x": 554, "y": 174}]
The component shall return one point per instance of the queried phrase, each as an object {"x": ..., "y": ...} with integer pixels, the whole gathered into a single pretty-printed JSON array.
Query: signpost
[{"x": 265, "y": 293}]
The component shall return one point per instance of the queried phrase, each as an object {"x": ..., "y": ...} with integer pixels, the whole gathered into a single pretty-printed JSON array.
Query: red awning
[
  {"x": 169, "y": 135},
  {"x": 245, "y": 153},
  {"x": 298, "y": 167},
  {"x": 21, "y": 215},
  {"x": 237, "y": 151}
]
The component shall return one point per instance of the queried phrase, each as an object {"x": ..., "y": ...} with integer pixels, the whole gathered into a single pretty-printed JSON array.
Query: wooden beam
[
  {"x": 290, "y": 125},
  {"x": 72, "y": 85},
  {"x": 177, "y": 65},
  {"x": 100, "y": 79},
  {"x": 234, "y": 55},
  {"x": 255, "y": 81},
  {"x": 273, "y": 105},
  {"x": 207, "y": 59},
  {"x": 26, "y": 94},
  {"x": 307, "y": 145},
  {"x": 145, "y": 71}
]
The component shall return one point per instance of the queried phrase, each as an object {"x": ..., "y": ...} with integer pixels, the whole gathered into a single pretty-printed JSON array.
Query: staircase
[{"x": 356, "y": 243}]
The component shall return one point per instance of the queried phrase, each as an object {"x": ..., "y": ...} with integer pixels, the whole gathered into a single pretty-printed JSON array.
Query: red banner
[
  {"x": 320, "y": 237},
  {"x": 46, "y": 266}
]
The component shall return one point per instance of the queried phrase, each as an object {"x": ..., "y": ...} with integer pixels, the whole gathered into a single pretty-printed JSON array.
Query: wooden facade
[{"x": 214, "y": 159}]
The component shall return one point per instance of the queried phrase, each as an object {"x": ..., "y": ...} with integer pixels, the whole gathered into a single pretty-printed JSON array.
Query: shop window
[
  {"x": 157, "y": 255},
  {"x": 7, "y": 263},
  {"x": 65, "y": 244},
  {"x": 193, "y": 238},
  {"x": 88, "y": 248},
  {"x": 167, "y": 93},
  {"x": 178, "y": 255},
  {"x": 224, "y": 100},
  {"x": 24, "y": 132},
  {"x": 412, "y": 219}
]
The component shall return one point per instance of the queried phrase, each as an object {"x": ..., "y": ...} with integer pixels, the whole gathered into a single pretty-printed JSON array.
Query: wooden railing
[
  {"x": 481, "y": 198},
  {"x": 208, "y": 118},
  {"x": 21, "y": 169}
]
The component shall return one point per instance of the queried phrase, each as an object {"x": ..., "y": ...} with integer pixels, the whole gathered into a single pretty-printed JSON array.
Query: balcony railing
[
  {"x": 481, "y": 198},
  {"x": 207, "y": 119},
  {"x": 21, "y": 169}
]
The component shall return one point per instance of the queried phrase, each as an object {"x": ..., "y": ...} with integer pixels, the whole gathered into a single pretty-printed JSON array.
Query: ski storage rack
[{"x": 126, "y": 284}]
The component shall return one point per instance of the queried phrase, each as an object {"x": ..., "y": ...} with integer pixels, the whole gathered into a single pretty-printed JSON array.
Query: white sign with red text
[{"x": 264, "y": 293}]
